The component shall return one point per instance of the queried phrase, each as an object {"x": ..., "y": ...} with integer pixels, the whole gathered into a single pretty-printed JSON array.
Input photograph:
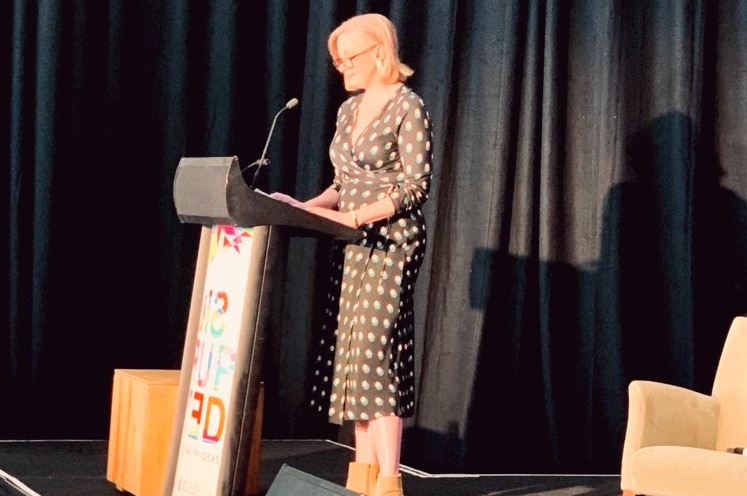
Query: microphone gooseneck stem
[{"x": 291, "y": 103}]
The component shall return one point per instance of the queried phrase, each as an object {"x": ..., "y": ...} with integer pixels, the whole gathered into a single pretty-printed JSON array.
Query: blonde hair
[{"x": 382, "y": 31}]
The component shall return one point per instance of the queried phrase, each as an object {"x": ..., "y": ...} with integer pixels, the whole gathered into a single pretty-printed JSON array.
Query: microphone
[{"x": 262, "y": 160}]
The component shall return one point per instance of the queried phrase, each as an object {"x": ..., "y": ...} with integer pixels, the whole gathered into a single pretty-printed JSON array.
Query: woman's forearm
[
  {"x": 378, "y": 210},
  {"x": 326, "y": 199}
]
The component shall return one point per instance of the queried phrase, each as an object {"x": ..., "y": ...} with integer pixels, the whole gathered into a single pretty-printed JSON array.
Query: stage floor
[{"x": 78, "y": 468}]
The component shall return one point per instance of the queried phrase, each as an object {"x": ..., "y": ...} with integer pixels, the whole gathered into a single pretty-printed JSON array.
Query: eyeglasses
[{"x": 347, "y": 62}]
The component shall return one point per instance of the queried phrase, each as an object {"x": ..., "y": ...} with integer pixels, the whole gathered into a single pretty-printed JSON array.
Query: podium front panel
[{"x": 221, "y": 374}]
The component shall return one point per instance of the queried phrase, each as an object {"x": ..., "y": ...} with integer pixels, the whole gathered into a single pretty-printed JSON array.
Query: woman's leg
[
  {"x": 365, "y": 449},
  {"x": 364, "y": 471},
  {"x": 385, "y": 434}
]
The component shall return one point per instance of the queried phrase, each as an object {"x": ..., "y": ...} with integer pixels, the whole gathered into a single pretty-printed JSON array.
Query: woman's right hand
[{"x": 285, "y": 199}]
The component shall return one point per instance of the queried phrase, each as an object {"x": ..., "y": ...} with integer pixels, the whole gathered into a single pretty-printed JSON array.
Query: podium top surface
[{"x": 212, "y": 191}]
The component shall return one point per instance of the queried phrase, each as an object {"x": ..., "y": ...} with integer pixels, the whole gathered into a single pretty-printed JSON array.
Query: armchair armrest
[{"x": 663, "y": 414}]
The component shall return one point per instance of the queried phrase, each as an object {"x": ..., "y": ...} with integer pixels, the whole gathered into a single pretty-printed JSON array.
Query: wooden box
[{"x": 142, "y": 418}]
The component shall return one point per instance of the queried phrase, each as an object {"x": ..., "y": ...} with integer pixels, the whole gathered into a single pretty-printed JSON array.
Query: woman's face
[{"x": 356, "y": 60}]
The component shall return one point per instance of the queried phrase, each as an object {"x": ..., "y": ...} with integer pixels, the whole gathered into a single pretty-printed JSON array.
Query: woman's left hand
[{"x": 345, "y": 218}]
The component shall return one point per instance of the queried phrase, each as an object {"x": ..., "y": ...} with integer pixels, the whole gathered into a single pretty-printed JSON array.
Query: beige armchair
[{"x": 676, "y": 439}]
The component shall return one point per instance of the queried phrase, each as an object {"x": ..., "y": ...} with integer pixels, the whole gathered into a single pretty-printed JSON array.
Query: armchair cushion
[{"x": 687, "y": 471}]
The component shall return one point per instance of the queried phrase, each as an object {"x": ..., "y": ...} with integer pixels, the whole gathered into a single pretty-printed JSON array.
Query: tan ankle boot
[
  {"x": 389, "y": 486},
  {"x": 362, "y": 477}
]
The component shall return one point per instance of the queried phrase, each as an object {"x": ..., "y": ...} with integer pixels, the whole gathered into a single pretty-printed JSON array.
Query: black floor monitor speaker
[{"x": 294, "y": 482}]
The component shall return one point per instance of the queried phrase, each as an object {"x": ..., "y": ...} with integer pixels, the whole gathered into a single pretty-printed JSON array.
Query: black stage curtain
[{"x": 587, "y": 220}]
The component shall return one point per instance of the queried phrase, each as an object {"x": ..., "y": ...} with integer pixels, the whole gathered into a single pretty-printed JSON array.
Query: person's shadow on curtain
[
  {"x": 672, "y": 270},
  {"x": 561, "y": 343}
]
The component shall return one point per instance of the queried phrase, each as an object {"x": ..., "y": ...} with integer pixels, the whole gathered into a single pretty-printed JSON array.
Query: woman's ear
[{"x": 380, "y": 54}]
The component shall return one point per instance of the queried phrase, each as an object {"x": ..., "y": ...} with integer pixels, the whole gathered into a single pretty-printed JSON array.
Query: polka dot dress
[{"x": 366, "y": 367}]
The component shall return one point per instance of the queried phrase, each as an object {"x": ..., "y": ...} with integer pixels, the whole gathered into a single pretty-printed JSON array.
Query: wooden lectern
[{"x": 221, "y": 371}]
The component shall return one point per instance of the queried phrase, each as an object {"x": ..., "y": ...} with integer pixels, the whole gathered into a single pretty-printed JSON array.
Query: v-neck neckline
[{"x": 354, "y": 139}]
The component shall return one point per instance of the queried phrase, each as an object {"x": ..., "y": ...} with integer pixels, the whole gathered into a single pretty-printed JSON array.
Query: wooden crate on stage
[
  {"x": 144, "y": 405},
  {"x": 142, "y": 418}
]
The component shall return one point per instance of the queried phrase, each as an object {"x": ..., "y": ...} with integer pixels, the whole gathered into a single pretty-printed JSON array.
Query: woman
[{"x": 381, "y": 153}]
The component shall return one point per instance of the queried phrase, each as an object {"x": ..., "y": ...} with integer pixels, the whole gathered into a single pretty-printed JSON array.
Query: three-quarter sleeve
[{"x": 415, "y": 144}]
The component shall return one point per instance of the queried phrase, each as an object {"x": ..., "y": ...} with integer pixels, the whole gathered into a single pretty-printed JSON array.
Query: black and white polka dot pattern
[{"x": 366, "y": 367}]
